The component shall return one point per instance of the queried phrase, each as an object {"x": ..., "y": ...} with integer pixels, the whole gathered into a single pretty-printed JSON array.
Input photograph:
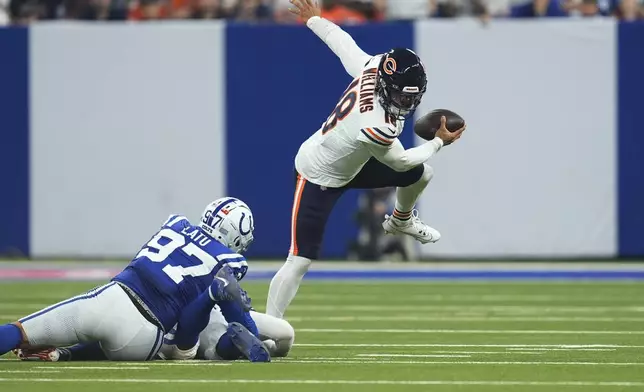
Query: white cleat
[{"x": 413, "y": 227}]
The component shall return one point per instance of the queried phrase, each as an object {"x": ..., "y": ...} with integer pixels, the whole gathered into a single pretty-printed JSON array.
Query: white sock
[
  {"x": 407, "y": 197},
  {"x": 284, "y": 285}
]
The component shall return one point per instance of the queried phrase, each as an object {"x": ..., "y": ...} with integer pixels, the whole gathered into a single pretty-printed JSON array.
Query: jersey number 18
[{"x": 347, "y": 102}]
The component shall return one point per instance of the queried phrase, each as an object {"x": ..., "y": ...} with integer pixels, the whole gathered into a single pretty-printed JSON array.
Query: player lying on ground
[
  {"x": 358, "y": 147},
  {"x": 180, "y": 266},
  {"x": 213, "y": 343}
]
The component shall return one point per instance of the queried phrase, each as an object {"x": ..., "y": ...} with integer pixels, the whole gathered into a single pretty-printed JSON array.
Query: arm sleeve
[
  {"x": 341, "y": 43},
  {"x": 396, "y": 157}
]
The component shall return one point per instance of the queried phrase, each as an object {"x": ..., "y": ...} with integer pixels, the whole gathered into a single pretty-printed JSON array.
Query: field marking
[
  {"x": 94, "y": 367},
  {"x": 367, "y": 361},
  {"x": 495, "y": 318},
  {"x": 469, "y": 331},
  {"x": 490, "y": 352},
  {"x": 512, "y": 349},
  {"x": 488, "y": 308},
  {"x": 195, "y": 362},
  {"x": 389, "y": 355},
  {"x": 414, "y": 355},
  {"x": 337, "y": 382},
  {"x": 573, "y": 346},
  {"x": 473, "y": 297},
  {"x": 30, "y": 371}
]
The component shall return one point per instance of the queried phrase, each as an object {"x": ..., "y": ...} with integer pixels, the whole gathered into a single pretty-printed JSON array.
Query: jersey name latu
[{"x": 176, "y": 265}]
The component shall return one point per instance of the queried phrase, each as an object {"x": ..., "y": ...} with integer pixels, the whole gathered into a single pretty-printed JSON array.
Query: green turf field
[{"x": 404, "y": 336}]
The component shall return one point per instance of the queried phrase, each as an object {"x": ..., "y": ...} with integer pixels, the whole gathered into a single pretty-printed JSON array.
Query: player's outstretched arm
[
  {"x": 387, "y": 149},
  {"x": 341, "y": 43},
  {"x": 396, "y": 157}
]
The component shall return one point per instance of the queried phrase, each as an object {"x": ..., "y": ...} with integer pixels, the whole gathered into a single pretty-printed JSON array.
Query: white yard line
[
  {"x": 414, "y": 355},
  {"x": 471, "y": 297},
  {"x": 337, "y": 382},
  {"x": 94, "y": 367},
  {"x": 30, "y": 371},
  {"x": 488, "y": 308},
  {"x": 514, "y": 349},
  {"x": 495, "y": 318},
  {"x": 490, "y": 352},
  {"x": 573, "y": 346},
  {"x": 469, "y": 331},
  {"x": 367, "y": 361}
]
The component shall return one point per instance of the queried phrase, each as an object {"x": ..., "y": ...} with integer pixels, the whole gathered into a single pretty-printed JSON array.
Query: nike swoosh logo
[{"x": 223, "y": 280}]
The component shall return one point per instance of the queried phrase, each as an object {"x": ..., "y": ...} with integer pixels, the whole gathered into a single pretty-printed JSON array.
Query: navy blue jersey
[{"x": 175, "y": 266}]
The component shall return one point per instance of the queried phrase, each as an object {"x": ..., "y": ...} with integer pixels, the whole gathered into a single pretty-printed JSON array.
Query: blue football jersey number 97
[{"x": 177, "y": 241}]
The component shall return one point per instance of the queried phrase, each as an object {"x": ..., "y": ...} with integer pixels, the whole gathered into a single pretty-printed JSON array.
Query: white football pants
[{"x": 105, "y": 314}]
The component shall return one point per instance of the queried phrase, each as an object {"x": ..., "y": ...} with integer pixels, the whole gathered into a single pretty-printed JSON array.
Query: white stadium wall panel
[
  {"x": 535, "y": 173},
  {"x": 127, "y": 126}
]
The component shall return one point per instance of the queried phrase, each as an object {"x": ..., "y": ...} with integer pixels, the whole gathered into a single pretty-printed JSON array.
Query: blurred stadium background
[
  {"x": 108, "y": 127},
  {"x": 116, "y": 113}
]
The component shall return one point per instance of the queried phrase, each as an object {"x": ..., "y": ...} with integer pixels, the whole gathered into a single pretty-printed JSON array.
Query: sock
[
  {"x": 193, "y": 319},
  {"x": 407, "y": 197},
  {"x": 284, "y": 285},
  {"x": 10, "y": 338},
  {"x": 82, "y": 352},
  {"x": 226, "y": 350},
  {"x": 233, "y": 313}
]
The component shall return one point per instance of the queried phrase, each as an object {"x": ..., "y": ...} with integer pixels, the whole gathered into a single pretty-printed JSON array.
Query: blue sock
[
  {"x": 193, "y": 319},
  {"x": 233, "y": 313},
  {"x": 10, "y": 338},
  {"x": 83, "y": 352},
  {"x": 226, "y": 349}
]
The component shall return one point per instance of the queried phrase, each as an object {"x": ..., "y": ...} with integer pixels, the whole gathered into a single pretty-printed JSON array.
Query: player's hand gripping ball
[{"x": 428, "y": 125}]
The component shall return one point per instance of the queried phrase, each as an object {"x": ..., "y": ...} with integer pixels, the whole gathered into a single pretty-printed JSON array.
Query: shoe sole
[{"x": 255, "y": 353}]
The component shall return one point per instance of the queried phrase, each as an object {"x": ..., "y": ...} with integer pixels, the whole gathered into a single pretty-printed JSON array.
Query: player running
[
  {"x": 180, "y": 267},
  {"x": 358, "y": 147}
]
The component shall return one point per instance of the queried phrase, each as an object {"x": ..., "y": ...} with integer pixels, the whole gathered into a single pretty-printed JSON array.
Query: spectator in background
[
  {"x": 208, "y": 9},
  {"x": 26, "y": 11},
  {"x": 629, "y": 10},
  {"x": 5, "y": 17},
  {"x": 251, "y": 11},
  {"x": 408, "y": 9},
  {"x": 540, "y": 8},
  {"x": 97, "y": 9},
  {"x": 342, "y": 12},
  {"x": 149, "y": 10}
]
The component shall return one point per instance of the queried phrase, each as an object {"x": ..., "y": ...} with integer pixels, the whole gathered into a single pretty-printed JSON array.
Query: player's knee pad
[
  {"x": 284, "y": 341},
  {"x": 428, "y": 173},
  {"x": 300, "y": 263}
]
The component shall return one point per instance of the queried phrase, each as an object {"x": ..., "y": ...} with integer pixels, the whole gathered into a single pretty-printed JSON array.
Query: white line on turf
[
  {"x": 495, "y": 318},
  {"x": 471, "y": 297},
  {"x": 468, "y": 331},
  {"x": 365, "y": 361},
  {"x": 30, "y": 371},
  {"x": 490, "y": 308},
  {"x": 180, "y": 363},
  {"x": 415, "y": 355},
  {"x": 515, "y": 349},
  {"x": 95, "y": 367},
  {"x": 488, "y": 352},
  {"x": 573, "y": 346},
  {"x": 339, "y": 382}
]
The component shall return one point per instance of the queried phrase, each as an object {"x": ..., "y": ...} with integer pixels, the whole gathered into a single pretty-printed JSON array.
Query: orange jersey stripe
[
  {"x": 299, "y": 188},
  {"x": 380, "y": 138}
]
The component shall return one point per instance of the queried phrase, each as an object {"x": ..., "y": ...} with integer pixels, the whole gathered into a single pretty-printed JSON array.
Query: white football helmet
[{"x": 229, "y": 221}]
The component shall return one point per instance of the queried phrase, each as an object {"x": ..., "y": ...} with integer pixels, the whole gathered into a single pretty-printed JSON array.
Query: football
[{"x": 426, "y": 126}]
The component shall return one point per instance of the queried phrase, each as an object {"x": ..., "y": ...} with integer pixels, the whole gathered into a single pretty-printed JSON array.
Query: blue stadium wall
[{"x": 96, "y": 153}]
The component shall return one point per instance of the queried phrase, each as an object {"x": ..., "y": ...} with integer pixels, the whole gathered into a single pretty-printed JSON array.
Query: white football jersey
[{"x": 336, "y": 153}]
